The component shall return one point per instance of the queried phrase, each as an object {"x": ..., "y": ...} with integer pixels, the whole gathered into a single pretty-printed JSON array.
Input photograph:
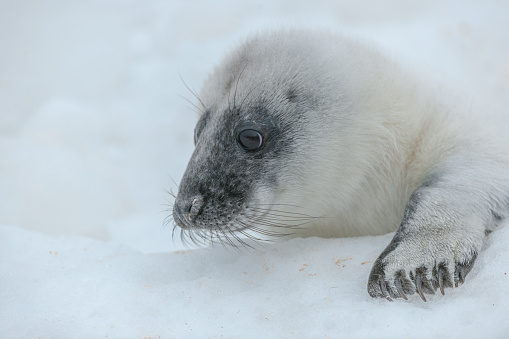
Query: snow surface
[
  {"x": 93, "y": 128},
  {"x": 79, "y": 287}
]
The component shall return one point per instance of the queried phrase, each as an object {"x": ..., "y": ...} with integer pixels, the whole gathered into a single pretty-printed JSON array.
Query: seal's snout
[{"x": 186, "y": 210}]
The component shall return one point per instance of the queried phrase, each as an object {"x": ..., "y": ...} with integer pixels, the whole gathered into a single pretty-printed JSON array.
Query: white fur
[{"x": 371, "y": 134}]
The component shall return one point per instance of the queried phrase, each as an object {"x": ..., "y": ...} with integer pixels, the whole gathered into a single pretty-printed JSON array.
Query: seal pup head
[{"x": 274, "y": 146}]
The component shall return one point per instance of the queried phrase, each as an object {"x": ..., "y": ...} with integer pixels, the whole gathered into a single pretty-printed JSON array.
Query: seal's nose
[{"x": 185, "y": 211}]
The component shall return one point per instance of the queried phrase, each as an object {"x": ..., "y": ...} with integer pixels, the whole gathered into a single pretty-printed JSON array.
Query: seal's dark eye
[{"x": 250, "y": 139}]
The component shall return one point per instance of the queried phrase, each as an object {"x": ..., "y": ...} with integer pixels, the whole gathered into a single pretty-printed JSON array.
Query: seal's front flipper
[{"x": 440, "y": 236}]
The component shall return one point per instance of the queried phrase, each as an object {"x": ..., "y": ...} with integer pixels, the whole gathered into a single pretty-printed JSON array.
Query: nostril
[
  {"x": 186, "y": 207},
  {"x": 195, "y": 207},
  {"x": 186, "y": 210}
]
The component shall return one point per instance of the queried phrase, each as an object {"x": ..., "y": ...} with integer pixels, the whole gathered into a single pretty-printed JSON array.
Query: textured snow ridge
[{"x": 78, "y": 287}]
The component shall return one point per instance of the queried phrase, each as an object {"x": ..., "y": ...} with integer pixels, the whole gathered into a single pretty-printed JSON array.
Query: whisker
[
  {"x": 248, "y": 94},
  {"x": 173, "y": 231},
  {"x": 259, "y": 224},
  {"x": 289, "y": 205},
  {"x": 170, "y": 192},
  {"x": 224, "y": 238},
  {"x": 174, "y": 182},
  {"x": 193, "y": 93},
  {"x": 279, "y": 218},
  {"x": 250, "y": 236},
  {"x": 268, "y": 224},
  {"x": 239, "y": 240},
  {"x": 237, "y": 84},
  {"x": 183, "y": 239},
  {"x": 275, "y": 224},
  {"x": 275, "y": 220},
  {"x": 195, "y": 108},
  {"x": 266, "y": 232},
  {"x": 168, "y": 220},
  {"x": 267, "y": 210}
]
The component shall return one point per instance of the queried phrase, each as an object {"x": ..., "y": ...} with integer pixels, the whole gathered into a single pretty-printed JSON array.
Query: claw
[
  {"x": 463, "y": 271},
  {"x": 441, "y": 280},
  {"x": 418, "y": 284},
  {"x": 397, "y": 283},
  {"x": 384, "y": 289},
  {"x": 462, "y": 277}
]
